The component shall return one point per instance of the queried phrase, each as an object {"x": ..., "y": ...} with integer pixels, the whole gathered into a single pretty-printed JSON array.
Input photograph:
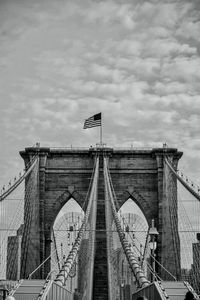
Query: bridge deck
[
  {"x": 29, "y": 290},
  {"x": 176, "y": 290}
]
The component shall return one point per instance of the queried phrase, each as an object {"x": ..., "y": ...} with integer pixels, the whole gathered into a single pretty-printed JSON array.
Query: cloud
[{"x": 136, "y": 61}]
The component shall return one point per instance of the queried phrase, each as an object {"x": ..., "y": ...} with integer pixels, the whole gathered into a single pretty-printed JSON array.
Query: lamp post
[{"x": 153, "y": 245}]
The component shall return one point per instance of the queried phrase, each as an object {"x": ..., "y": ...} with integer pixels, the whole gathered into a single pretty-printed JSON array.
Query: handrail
[
  {"x": 45, "y": 290},
  {"x": 190, "y": 288},
  {"x": 49, "y": 284},
  {"x": 17, "y": 285}
]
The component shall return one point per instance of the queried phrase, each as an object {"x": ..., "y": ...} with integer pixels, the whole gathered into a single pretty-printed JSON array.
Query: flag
[{"x": 93, "y": 121}]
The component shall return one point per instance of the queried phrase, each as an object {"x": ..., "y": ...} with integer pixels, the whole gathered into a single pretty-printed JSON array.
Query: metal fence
[{"x": 58, "y": 292}]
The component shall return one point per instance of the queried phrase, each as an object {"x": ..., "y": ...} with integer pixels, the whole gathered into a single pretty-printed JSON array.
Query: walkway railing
[{"x": 54, "y": 291}]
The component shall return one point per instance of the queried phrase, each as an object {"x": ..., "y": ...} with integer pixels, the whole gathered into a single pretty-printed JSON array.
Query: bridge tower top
[{"x": 50, "y": 152}]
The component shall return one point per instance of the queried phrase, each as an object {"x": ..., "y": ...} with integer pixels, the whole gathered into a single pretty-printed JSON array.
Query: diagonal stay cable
[
  {"x": 183, "y": 182},
  {"x": 17, "y": 183}
]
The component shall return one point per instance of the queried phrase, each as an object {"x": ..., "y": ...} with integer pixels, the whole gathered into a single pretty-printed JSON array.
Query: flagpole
[
  {"x": 101, "y": 144},
  {"x": 101, "y": 135}
]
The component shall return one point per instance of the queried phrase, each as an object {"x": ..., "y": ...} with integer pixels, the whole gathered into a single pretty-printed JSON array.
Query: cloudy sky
[{"x": 136, "y": 61}]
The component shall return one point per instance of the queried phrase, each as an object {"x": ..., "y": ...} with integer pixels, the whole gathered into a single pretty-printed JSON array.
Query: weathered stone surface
[
  {"x": 100, "y": 278},
  {"x": 136, "y": 174}
]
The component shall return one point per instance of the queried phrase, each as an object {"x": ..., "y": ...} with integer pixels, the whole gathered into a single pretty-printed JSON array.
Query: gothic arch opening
[
  {"x": 64, "y": 232},
  {"x": 135, "y": 225},
  {"x": 133, "y": 217}
]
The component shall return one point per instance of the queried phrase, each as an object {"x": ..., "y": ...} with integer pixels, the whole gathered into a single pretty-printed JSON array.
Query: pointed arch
[
  {"x": 58, "y": 205},
  {"x": 141, "y": 202}
]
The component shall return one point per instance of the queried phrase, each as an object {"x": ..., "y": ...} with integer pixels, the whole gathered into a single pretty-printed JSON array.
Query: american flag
[{"x": 93, "y": 121}]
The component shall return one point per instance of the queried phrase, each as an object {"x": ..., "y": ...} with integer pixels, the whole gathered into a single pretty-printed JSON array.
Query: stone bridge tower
[{"x": 65, "y": 173}]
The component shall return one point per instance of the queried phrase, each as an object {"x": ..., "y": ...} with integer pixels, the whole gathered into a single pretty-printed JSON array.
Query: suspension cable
[
  {"x": 64, "y": 273},
  {"x": 16, "y": 183},
  {"x": 138, "y": 273},
  {"x": 190, "y": 189},
  {"x": 194, "y": 274}
]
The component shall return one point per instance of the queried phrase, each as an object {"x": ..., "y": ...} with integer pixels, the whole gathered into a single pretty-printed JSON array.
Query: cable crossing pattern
[
  {"x": 83, "y": 250},
  {"x": 6, "y": 193},
  {"x": 122, "y": 260},
  {"x": 13, "y": 203},
  {"x": 113, "y": 222}
]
